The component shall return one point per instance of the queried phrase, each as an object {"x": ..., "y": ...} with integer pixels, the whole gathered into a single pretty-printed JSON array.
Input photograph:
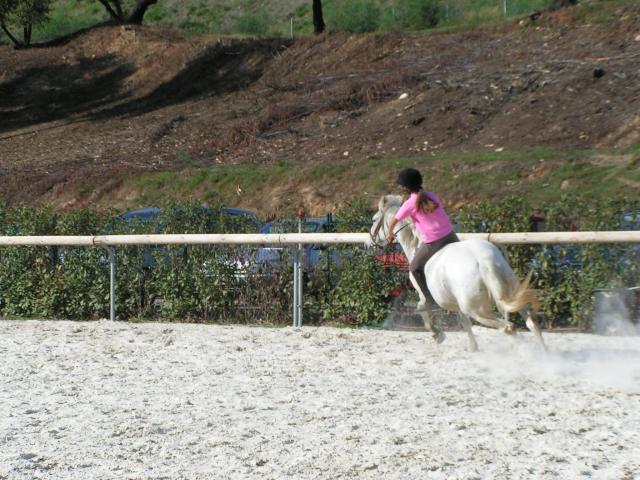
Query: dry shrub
[
  {"x": 242, "y": 133},
  {"x": 346, "y": 92},
  {"x": 362, "y": 91},
  {"x": 273, "y": 116}
]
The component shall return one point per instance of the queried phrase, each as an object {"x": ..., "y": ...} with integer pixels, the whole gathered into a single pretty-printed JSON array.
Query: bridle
[{"x": 381, "y": 225}]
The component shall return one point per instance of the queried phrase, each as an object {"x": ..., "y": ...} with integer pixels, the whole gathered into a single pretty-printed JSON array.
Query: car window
[
  {"x": 157, "y": 218},
  {"x": 311, "y": 227},
  {"x": 141, "y": 217},
  {"x": 631, "y": 220},
  {"x": 291, "y": 227}
]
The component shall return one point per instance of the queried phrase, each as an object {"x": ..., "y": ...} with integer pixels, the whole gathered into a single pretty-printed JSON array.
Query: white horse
[{"x": 466, "y": 277}]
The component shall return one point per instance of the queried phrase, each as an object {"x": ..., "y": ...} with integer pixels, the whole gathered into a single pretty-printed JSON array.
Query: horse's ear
[
  {"x": 385, "y": 201},
  {"x": 389, "y": 200}
]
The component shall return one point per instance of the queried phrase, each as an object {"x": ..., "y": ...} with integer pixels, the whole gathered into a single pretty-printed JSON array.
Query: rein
[{"x": 381, "y": 225}]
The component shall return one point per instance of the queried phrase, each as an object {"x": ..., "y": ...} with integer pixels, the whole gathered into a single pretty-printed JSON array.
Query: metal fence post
[
  {"x": 299, "y": 254},
  {"x": 112, "y": 282},
  {"x": 295, "y": 287},
  {"x": 329, "y": 253},
  {"x": 505, "y": 252},
  {"x": 297, "y": 278},
  {"x": 291, "y": 24}
]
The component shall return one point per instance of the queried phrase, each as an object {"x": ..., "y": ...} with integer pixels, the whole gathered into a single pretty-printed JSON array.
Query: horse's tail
[
  {"x": 521, "y": 297},
  {"x": 509, "y": 293}
]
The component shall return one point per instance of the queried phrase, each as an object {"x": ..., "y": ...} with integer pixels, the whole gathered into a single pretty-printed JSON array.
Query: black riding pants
[{"x": 422, "y": 256}]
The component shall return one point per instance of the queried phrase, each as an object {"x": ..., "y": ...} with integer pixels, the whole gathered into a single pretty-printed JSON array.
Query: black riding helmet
[{"x": 410, "y": 178}]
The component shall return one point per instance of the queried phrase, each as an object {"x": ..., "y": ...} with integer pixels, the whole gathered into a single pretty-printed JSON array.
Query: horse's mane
[{"x": 390, "y": 204}]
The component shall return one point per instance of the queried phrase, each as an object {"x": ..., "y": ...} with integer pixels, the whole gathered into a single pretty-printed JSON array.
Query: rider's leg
[
  {"x": 420, "y": 259},
  {"x": 422, "y": 255}
]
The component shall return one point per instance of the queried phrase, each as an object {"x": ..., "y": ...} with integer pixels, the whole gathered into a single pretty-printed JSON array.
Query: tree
[
  {"x": 25, "y": 14},
  {"x": 118, "y": 12},
  {"x": 318, "y": 21}
]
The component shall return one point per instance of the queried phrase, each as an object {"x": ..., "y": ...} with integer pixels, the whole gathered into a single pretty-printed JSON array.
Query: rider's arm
[{"x": 392, "y": 225}]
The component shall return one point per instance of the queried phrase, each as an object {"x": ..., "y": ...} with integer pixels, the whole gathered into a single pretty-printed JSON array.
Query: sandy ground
[{"x": 172, "y": 401}]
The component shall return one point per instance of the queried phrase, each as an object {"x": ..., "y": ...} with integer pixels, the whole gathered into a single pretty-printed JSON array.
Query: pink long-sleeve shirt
[{"x": 432, "y": 226}]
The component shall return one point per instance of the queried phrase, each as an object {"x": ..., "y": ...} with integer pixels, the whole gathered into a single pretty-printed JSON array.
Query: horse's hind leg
[
  {"x": 466, "y": 324},
  {"x": 510, "y": 328},
  {"x": 533, "y": 326},
  {"x": 487, "y": 320}
]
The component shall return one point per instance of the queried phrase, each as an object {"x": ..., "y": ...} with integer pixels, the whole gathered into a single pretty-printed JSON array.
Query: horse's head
[{"x": 387, "y": 206}]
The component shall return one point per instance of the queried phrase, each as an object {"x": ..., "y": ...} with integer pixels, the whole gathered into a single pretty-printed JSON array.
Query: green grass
[
  {"x": 603, "y": 12},
  {"x": 540, "y": 174},
  {"x": 634, "y": 149}
]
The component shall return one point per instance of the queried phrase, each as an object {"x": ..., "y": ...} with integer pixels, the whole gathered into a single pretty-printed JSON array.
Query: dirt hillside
[{"x": 78, "y": 119}]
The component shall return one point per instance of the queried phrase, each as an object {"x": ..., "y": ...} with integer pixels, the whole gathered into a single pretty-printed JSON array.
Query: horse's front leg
[
  {"x": 433, "y": 325},
  {"x": 465, "y": 321}
]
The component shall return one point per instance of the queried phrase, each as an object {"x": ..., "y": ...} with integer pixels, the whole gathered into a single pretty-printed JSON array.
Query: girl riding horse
[{"x": 431, "y": 221}]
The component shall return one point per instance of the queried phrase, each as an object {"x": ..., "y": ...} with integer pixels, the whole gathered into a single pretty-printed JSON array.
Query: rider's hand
[{"x": 390, "y": 237}]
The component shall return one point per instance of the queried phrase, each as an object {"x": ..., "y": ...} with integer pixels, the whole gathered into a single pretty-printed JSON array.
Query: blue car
[
  {"x": 152, "y": 215},
  {"x": 275, "y": 256},
  {"x": 143, "y": 217},
  {"x": 630, "y": 220},
  {"x": 622, "y": 256}
]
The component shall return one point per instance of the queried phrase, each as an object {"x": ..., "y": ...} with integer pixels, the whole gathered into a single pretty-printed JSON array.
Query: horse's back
[
  {"x": 459, "y": 270},
  {"x": 452, "y": 270},
  {"x": 481, "y": 248},
  {"x": 467, "y": 254}
]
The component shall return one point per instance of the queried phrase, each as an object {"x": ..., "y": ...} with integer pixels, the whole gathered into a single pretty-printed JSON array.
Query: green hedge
[
  {"x": 229, "y": 284},
  {"x": 566, "y": 275}
]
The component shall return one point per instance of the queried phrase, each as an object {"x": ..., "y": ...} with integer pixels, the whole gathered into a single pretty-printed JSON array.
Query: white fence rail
[
  {"x": 296, "y": 239},
  {"x": 518, "y": 238}
]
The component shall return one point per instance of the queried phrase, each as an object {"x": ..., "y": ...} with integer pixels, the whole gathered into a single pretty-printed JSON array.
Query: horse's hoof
[
  {"x": 439, "y": 337},
  {"x": 510, "y": 330}
]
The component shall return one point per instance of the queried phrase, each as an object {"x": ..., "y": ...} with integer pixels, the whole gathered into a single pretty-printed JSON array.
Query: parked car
[
  {"x": 273, "y": 256},
  {"x": 143, "y": 215},
  {"x": 571, "y": 257},
  {"x": 150, "y": 220},
  {"x": 153, "y": 216}
]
